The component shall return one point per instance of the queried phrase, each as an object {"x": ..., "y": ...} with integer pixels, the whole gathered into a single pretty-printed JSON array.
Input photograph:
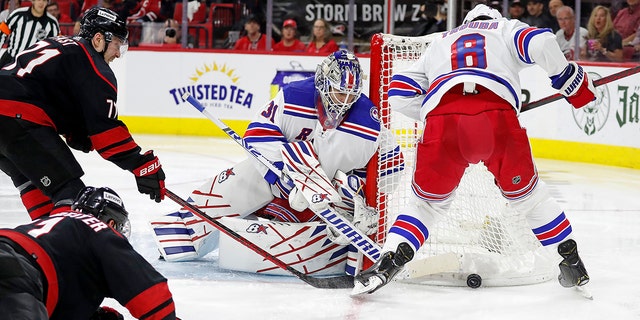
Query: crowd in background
[{"x": 608, "y": 32}]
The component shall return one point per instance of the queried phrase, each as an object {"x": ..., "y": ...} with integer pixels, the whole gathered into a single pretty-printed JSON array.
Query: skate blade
[
  {"x": 359, "y": 288},
  {"x": 584, "y": 292}
]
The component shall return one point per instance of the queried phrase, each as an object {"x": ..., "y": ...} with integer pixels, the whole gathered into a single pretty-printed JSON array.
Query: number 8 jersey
[{"x": 489, "y": 53}]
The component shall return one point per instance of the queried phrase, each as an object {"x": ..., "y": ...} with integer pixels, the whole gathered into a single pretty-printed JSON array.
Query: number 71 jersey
[{"x": 489, "y": 53}]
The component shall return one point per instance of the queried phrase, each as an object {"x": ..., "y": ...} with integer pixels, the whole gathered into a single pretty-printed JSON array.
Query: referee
[{"x": 26, "y": 26}]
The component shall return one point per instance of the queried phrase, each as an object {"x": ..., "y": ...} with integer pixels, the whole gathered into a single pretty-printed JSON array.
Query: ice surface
[{"x": 601, "y": 202}]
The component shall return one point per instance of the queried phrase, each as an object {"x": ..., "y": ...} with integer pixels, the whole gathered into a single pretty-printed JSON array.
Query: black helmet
[
  {"x": 104, "y": 204},
  {"x": 98, "y": 19}
]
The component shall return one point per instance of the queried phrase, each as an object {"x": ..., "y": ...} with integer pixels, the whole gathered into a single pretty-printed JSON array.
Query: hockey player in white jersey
[
  {"x": 323, "y": 126},
  {"x": 466, "y": 88}
]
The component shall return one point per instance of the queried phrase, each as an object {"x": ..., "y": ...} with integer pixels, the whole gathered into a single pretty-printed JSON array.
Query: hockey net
[{"x": 480, "y": 234}]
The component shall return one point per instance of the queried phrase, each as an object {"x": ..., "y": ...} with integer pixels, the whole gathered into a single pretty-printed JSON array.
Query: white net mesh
[{"x": 484, "y": 235}]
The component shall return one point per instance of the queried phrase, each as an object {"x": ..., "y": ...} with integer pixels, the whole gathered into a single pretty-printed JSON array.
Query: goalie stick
[
  {"x": 596, "y": 83},
  {"x": 338, "y": 282},
  {"x": 359, "y": 240}
]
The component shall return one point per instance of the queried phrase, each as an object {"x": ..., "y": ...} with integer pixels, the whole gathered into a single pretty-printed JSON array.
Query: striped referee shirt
[{"x": 27, "y": 29}]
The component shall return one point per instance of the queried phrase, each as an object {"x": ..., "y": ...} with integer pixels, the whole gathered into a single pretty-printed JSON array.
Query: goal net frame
[{"x": 480, "y": 234}]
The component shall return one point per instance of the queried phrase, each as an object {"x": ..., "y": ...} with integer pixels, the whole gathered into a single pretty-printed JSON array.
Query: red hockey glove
[
  {"x": 150, "y": 177},
  {"x": 106, "y": 313}
]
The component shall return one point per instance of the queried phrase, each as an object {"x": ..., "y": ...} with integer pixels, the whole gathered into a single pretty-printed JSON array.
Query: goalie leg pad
[
  {"x": 235, "y": 192},
  {"x": 181, "y": 236}
]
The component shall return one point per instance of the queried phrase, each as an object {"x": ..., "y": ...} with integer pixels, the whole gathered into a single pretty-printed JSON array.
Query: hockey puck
[{"x": 474, "y": 281}]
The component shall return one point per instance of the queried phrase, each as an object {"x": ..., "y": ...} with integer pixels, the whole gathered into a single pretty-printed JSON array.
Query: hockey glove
[
  {"x": 575, "y": 85},
  {"x": 106, "y": 313},
  {"x": 80, "y": 143},
  {"x": 150, "y": 177}
]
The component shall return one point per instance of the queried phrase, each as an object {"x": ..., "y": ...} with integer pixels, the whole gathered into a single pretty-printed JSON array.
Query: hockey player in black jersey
[
  {"x": 64, "y": 86},
  {"x": 64, "y": 265}
]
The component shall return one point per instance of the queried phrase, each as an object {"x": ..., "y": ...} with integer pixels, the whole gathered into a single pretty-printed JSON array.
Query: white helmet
[{"x": 481, "y": 10}]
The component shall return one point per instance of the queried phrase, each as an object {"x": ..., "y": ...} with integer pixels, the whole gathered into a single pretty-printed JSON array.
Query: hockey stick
[
  {"x": 360, "y": 240},
  {"x": 596, "y": 83},
  {"x": 338, "y": 282}
]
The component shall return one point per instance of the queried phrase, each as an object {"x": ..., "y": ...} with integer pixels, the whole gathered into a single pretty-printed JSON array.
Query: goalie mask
[
  {"x": 481, "y": 12},
  {"x": 106, "y": 205},
  {"x": 338, "y": 84}
]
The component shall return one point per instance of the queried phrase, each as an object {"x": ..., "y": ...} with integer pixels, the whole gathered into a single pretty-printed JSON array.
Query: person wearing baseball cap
[
  {"x": 290, "y": 41},
  {"x": 254, "y": 40},
  {"x": 516, "y": 10},
  {"x": 538, "y": 16}
]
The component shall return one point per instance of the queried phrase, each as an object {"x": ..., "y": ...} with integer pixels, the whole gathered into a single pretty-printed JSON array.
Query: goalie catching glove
[
  {"x": 150, "y": 176},
  {"x": 575, "y": 85},
  {"x": 352, "y": 205}
]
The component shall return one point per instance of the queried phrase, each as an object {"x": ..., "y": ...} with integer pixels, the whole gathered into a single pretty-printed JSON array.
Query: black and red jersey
[
  {"x": 66, "y": 84},
  {"x": 83, "y": 261}
]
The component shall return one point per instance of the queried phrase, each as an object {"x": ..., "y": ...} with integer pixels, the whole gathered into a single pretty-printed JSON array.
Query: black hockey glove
[
  {"x": 150, "y": 177},
  {"x": 106, "y": 313},
  {"x": 81, "y": 143}
]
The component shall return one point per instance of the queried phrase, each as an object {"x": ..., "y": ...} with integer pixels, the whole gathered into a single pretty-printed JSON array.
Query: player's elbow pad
[{"x": 575, "y": 85}]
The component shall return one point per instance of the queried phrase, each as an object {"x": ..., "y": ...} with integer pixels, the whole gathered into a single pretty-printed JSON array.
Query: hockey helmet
[
  {"x": 106, "y": 21},
  {"x": 338, "y": 82},
  {"x": 481, "y": 10},
  {"x": 104, "y": 204}
]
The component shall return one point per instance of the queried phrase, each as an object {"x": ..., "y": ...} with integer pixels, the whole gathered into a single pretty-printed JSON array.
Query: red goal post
[{"x": 480, "y": 233}]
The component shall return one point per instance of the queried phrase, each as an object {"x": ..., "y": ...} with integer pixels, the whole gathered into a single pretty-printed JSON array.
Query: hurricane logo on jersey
[
  {"x": 224, "y": 175},
  {"x": 592, "y": 117}
]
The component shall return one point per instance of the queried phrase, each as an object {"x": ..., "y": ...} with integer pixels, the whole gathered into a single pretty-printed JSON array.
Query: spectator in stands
[
  {"x": 4, "y": 14},
  {"x": 290, "y": 41},
  {"x": 171, "y": 35},
  {"x": 634, "y": 46},
  {"x": 554, "y": 5},
  {"x": 627, "y": 21},
  {"x": 516, "y": 10},
  {"x": 603, "y": 43},
  {"x": 54, "y": 10},
  {"x": 539, "y": 17},
  {"x": 321, "y": 39},
  {"x": 146, "y": 11},
  {"x": 495, "y": 4},
  {"x": 566, "y": 35},
  {"x": 432, "y": 18},
  {"x": 26, "y": 26},
  {"x": 254, "y": 39}
]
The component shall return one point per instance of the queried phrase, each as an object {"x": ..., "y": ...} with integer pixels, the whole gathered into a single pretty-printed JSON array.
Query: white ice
[{"x": 601, "y": 202}]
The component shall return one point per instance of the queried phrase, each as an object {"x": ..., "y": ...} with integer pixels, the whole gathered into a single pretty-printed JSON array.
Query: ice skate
[
  {"x": 572, "y": 271},
  {"x": 383, "y": 270}
]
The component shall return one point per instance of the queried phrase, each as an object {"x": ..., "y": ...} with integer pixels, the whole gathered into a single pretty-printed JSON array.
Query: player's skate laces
[
  {"x": 572, "y": 271},
  {"x": 383, "y": 270}
]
